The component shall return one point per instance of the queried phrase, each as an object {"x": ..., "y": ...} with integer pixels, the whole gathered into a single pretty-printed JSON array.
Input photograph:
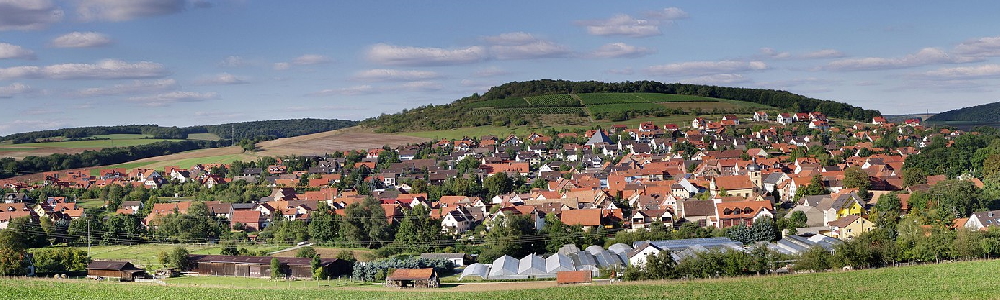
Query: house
[
  {"x": 638, "y": 256},
  {"x": 850, "y": 226},
  {"x": 588, "y": 218},
  {"x": 412, "y": 278},
  {"x": 122, "y": 270},
  {"x": 981, "y": 220},
  {"x": 760, "y": 116},
  {"x": 879, "y": 120},
  {"x": 784, "y": 119},
  {"x": 252, "y": 220},
  {"x": 457, "y": 258},
  {"x": 741, "y": 212}
]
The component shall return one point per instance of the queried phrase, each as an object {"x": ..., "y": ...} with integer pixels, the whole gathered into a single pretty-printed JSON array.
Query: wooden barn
[
  {"x": 122, "y": 270},
  {"x": 260, "y": 266},
  {"x": 412, "y": 278}
]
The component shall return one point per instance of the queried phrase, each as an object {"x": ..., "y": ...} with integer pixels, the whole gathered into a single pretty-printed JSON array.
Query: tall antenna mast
[{"x": 233, "y": 135}]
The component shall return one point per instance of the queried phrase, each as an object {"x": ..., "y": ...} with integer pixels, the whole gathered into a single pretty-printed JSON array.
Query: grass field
[
  {"x": 204, "y": 136},
  {"x": 145, "y": 254},
  {"x": 458, "y": 133},
  {"x": 962, "y": 280}
]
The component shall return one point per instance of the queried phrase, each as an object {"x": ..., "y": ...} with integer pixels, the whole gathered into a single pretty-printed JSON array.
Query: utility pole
[{"x": 88, "y": 237}]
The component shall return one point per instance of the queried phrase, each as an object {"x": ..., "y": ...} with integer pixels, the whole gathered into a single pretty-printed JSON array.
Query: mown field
[{"x": 961, "y": 280}]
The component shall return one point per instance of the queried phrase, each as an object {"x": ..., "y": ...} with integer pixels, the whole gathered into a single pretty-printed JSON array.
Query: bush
[{"x": 376, "y": 271}]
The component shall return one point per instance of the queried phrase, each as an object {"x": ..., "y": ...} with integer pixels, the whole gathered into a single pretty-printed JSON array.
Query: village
[{"x": 713, "y": 175}]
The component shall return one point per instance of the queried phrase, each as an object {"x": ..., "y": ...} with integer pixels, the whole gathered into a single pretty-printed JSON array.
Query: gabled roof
[
  {"x": 411, "y": 274},
  {"x": 585, "y": 217}
]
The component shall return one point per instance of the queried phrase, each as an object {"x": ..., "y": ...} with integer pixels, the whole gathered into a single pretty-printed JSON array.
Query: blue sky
[{"x": 189, "y": 62}]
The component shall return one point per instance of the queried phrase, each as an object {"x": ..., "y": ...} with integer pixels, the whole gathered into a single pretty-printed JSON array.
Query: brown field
[
  {"x": 338, "y": 140},
  {"x": 312, "y": 144}
]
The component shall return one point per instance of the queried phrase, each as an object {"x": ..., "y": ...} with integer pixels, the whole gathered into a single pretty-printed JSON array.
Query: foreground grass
[{"x": 962, "y": 280}]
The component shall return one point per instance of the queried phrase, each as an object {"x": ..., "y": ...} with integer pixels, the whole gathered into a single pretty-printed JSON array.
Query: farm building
[
  {"x": 122, "y": 270},
  {"x": 260, "y": 266},
  {"x": 558, "y": 262},
  {"x": 504, "y": 266},
  {"x": 478, "y": 271},
  {"x": 571, "y": 277},
  {"x": 531, "y": 265},
  {"x": 412, "y": 278}
]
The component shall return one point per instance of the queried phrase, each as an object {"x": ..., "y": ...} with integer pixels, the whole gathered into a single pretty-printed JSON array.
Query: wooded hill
[
  {"x": 513, "y": 103},
  {"x": 259, "y": 130},
  {"x": 986, "y": 113}
]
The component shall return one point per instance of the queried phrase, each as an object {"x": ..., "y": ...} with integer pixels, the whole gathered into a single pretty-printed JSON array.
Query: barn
[
  {"x": 122, "y": 270},
  {"x": 412, "y": 278},
  {"x": 260, "y": 266}
]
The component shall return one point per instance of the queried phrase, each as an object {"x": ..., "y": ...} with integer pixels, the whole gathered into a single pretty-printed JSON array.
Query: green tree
[
  {"x": 324, "y": 224},
  {"x": 175, "y": 258},
  {"x": 418, "y": 232},
  {"x": 856, "y": 178},
  {"x": 276, "y": 268},
  {"x": 498, "y": 184},
  {"x": 306, "y": 252},
  {"x": 815, "y": 259},
  {"x": 365, "y": 224}
]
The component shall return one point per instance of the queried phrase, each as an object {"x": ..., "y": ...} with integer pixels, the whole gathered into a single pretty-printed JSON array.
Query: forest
[
  {"x": 986, "y": 113},
  {"x": 462, "y": 112},
  {"x": 253, "y": 130}
]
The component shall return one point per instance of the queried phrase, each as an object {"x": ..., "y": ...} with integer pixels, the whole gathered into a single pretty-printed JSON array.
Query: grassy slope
[
  {"x": 963, "y": 280},
  {"x": 145, "y": 254},
  {"x": 522, "y": 130}
]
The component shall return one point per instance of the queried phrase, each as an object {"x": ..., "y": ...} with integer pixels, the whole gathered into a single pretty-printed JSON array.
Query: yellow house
[
  {"x": 848, "y": 205},
  {"x": 850, "y": 226}
]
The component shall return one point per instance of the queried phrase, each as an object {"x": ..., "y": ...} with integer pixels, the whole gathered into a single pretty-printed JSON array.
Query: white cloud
[
  {"x": 82, "y": 40},
  {"x": 490, "y": 71},
  {"x": 311, "y": 59},
  {"x": 15, "y": 89},
  {"x": 173, "y": 97},
  {"x": 394, "y": 75},
  {"x": 104, "y": 69},
  {"x": 28, "y": 14},
  {"x": 774, "y": 54},
  {"x": 624, "y": 71},
  {"x": 134, "y": 87},
  {"x": 623, "y": 25},
  {"x": 282, "y": 66},
  {"x": 926, "y": 56},
  {"x": 717, "y": 79},
  {"x": 982, "y": 47},
  {"x": 511, "y": 38},
  {"x": 124, "y": 10},
  {"x": 667, "y": 14},
  {"x": 421, "y": 86},
  {"x": 706, "y": 67},
  {"x": 416, "y": 56},
  {"x": 12, "y": 51},
  {"x": 223, "y": 78},
  {"x": 784, "y": 84},
  {"x": 354, "y": 90},
  {"x": 825, "y": 53},
  {"x": 536, "y": 49},
  {"x": 612, "y": 50},
  {"x": 29, "y": 125},
  {"x": 973, "y": 72},
  {"x": 234, "y": 61}
]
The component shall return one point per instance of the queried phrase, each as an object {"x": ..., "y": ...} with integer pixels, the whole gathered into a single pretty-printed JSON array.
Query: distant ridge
[{"x": 986, "y": 113}]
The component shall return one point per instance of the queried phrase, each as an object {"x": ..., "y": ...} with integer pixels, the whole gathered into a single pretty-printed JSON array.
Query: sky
[{"x": 190, "y": 62}]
